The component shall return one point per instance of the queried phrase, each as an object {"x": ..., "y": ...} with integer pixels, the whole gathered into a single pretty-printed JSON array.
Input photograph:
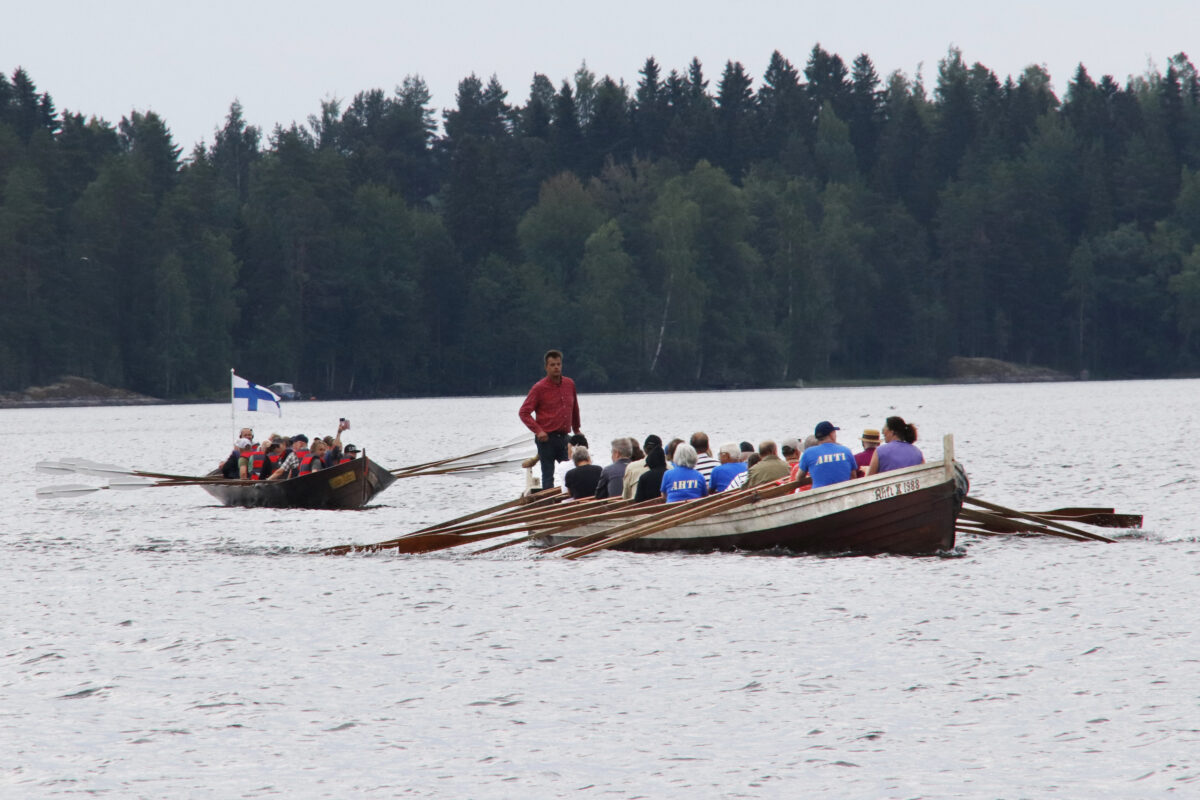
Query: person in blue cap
[{"x": 827, "y": 461}]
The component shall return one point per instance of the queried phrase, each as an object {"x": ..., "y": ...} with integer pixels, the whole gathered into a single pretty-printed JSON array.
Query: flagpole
[{"x": 232, "y": 409}]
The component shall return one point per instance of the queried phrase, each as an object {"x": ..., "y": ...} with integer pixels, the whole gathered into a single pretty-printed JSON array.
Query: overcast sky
[{"x": 189, "y": 61}]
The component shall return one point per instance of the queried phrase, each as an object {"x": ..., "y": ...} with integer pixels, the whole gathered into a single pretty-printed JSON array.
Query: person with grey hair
[
  {"x": 612, "y": 475},
  {"x": 581, "y": 481},
  {"x": 684, "y": 481},
  {"x": 770, "y": 466},
  {"x": 730, "y": 467}
]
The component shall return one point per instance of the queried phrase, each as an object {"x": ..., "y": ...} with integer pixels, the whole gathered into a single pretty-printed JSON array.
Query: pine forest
[{"x": 819, "y": 223}]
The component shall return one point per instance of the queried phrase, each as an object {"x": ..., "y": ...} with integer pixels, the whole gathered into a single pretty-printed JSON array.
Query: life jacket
[
  {"x": 257, "y": 459},
  {"x": 306, "y": 462}
]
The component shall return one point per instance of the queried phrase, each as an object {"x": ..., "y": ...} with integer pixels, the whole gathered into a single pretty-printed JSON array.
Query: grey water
[{"x": 158, "y": 645}]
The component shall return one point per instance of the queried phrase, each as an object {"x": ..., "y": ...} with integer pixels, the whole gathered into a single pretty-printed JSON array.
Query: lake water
[{"x": 156, "y": 645}]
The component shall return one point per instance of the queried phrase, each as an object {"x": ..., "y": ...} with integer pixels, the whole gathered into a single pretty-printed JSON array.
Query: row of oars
[
  {"x": 991, "y": 519},
  {"x": 116, "y": 478},
  {"x": 548, "y": 513},
  {"x": 485, "y": 460}
]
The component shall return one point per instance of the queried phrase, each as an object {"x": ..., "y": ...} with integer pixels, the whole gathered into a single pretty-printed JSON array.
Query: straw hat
[{"x": 870, "y": 436}]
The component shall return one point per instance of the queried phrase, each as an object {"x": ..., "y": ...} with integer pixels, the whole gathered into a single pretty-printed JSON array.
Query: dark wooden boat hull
[
  {"x": 907, "y": 512},
  {"x": 349, "y": 485}
]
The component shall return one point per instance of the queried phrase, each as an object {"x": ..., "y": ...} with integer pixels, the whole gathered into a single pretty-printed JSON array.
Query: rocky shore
[
  {"x": 993, "y": 370},
  {"x": 74, "y": 391}
]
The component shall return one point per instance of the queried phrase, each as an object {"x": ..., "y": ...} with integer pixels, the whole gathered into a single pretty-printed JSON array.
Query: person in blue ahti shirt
[
  {"x": 827, "y": 461},
  {"x": 684, "y": 482}
]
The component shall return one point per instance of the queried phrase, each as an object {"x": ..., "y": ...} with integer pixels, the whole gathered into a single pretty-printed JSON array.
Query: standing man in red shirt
[{"x": 551, "y": 411}]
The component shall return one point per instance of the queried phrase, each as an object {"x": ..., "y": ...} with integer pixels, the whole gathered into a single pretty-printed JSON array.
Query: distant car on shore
[{"x": 285, "y": 391}]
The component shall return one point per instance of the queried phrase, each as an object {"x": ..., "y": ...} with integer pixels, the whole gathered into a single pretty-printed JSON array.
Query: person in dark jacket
[
  {"x": 649, "y": 483},
  {"x": 581, "y": 481}
]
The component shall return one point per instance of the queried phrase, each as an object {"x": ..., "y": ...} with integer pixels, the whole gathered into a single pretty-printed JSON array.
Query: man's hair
[
  {"x": 580, "y": 455},
  {"x": 552, "y": 354},
  {"x": 731, "y": 450},
  {"x": 622, "y": 447},
  {"x": 577, "y": 440},
  {"x": 700, "y": 441},
  {"x": 766, "y": 448}
]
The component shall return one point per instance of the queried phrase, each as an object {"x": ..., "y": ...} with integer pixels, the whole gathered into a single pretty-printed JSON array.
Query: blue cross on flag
[{"x": 247, "y": 396}]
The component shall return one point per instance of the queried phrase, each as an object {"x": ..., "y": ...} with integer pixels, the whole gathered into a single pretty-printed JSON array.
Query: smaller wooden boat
[
  {"x": 910, "y": 511},
  {"x": 349, "y": 485}
]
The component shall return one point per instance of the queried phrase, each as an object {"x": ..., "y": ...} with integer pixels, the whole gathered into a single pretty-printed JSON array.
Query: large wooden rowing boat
[
  {"x": 348, "y": 485},
  {"x": 909, "y": 511}
]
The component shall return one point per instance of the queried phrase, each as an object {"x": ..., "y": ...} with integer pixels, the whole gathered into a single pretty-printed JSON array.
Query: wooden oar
[
  {"x": 429, "y": 542},
  {"x": 1099, "y": 520},
  {"x": 425, "y": 543},
  {"x": 75, "y": 489},
  {"x": 524, "y": 500},
  {"x": 494, "y": 449},
  {"x": 642, "y": 508},
  {"x": 1005, "y": 527},
  {"x": 999, "y": 524},
  {"x": 1100, "y": 517},
  {"x": 82, "y": 466},
  {"x": 442, "y": 535},
  {"x": 1072, "y": 511},
  {"x": 697, "y": 510},
  {"x": 465, "y": 469},
  {"x": 1022, "y": 515}
]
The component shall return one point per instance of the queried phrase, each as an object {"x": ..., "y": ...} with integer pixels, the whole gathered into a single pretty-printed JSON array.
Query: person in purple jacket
[{"x": 898, "y": 449}]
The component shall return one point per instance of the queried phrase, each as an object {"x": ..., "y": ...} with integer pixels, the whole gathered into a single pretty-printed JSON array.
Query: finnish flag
[{"x": 252, "y": 397}]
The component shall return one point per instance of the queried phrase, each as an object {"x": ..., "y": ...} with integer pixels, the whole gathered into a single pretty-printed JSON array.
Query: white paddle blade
[
  {"x": 53, "y": 467},
  {"x": 66, "y": 490},
  {"x": 102, "y": 470},
  {"x": 131, "y": 482}
]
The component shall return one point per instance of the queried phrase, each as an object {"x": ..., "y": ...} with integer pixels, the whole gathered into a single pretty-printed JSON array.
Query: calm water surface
[{"x": 155, "y": 645}]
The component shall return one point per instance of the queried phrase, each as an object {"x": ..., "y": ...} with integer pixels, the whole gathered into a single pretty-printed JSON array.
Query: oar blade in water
[{"x": 66, "y": 490}]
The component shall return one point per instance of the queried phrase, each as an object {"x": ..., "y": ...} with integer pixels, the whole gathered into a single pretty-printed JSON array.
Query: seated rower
[
  {"x": 238, "y": 463},
  {"x": 316, "y": 457},
  {"x": 581, "y": 481},
  {"x": 649, "y": 483},
  {"x": 899, "y": 448},
  {"x": 870, "y": 440},
  {"x": 828, "y": 462},
  {"x": 770, "y": 466},
  {"x": 731, "y": 466},
  {"x": 290, "y": 466},
  {"x": 684, "y": 482},
  {"x": 265, "y": 461}
]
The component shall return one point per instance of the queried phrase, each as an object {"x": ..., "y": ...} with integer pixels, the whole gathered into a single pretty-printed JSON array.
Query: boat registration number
[
  {"x": 894, "y": 489},
  {"x": 341, "y": 480}
]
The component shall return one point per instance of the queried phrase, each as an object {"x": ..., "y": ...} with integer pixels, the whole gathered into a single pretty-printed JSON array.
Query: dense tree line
[{"x": 827, "y": 224}]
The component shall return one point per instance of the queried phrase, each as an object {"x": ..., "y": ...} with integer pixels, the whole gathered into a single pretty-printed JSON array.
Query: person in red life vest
[
  {"x": 265, "y": 462},
  {"x": 551, "y": 411},
  {"x": 291, "y": 462},
  {"x": 314, "y": 459}
]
